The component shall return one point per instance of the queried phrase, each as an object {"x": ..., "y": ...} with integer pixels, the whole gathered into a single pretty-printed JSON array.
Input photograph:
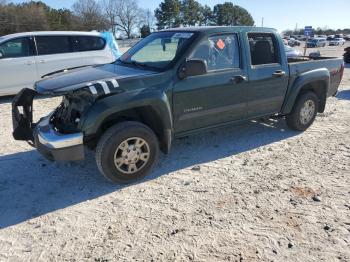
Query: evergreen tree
[
  {"x": 232, "y": 15},
  {"x": 145, "y": 31},
  {"x": 168, "y": 14},
  {"x": 190, "y": 12},
  {"x": 206, "y": 15}
]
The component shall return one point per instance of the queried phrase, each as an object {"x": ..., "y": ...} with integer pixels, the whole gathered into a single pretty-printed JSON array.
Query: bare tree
[
  {"x": 128, "y": 16},
  {"x": 110, "y": 10},
  {"x": 149, "y": 18},
  {"x": 90, "y": 13}
]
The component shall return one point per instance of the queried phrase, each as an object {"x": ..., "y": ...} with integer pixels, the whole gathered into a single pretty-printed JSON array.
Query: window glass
[
  {"x": 87, "y": 43},
  {"x": 263, "y": 49},
  {"x": 157, "y": 50},
  {"x": 19, "y": 47},
  {"x": 220, "y": 52},
  {"x": 166, "y": 47},
  {"x": 48, "y": 45}
]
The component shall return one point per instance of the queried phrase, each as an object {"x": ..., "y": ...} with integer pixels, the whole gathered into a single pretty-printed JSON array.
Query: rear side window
[
  {"x": 48, "y": 45},
  {"x": 220, "y": 52},
  {"x": 87, "y": 43},
  {"x": 263, "y": 48},
  {"x": 19, "y": 47}
]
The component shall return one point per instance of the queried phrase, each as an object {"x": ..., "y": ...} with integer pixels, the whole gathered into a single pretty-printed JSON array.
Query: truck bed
[{"x": 300, "y": 65}]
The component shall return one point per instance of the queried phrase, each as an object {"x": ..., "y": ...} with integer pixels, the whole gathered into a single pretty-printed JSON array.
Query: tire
[
  {"x": 119, "y": 145},
  {"x": 302, "y": 115}
]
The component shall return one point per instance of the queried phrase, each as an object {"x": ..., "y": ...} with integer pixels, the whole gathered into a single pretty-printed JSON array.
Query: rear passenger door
[{"x": 268, "y": 75}]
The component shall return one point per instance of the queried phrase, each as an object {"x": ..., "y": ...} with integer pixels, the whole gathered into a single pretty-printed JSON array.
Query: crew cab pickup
[{"x": 173, "y": 83}]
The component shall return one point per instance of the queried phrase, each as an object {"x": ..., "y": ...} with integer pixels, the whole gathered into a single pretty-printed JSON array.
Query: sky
[{"x": 278, "y": 14}]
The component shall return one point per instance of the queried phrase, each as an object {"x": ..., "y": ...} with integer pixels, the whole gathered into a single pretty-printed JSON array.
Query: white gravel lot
[{"x": 255, "y": 192}]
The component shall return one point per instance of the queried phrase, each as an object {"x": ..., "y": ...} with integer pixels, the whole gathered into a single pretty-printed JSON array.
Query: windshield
[{"x": 157, "y": 50}]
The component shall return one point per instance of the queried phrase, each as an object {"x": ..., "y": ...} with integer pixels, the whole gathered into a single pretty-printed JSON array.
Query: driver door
[
  {"x": 217, "y": 97},
  {"x": 17, "y": 65}
]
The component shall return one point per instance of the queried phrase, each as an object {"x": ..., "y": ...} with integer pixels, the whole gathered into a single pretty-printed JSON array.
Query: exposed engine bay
[{"x": 68, "y": 114}]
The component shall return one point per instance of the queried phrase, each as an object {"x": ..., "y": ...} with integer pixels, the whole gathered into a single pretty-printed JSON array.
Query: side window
[
  {"x": 263, "y": 48},
  {"x": 220, "y": 52},
  {"x": 87, "y": 43},
  {"x": 19, "y": 47},
  {"x": 49, "y": 45}
]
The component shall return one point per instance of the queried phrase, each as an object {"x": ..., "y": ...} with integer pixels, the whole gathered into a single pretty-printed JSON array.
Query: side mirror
[
  {"x": 193, "y": 67},
  {"x": 1, "y": 55}
]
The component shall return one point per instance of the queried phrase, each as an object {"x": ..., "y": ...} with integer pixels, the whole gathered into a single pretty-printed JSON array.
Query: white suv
[{"x": 26, "y": 57}]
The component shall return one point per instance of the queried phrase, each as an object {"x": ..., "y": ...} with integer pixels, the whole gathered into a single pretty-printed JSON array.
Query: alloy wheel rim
[
  {"x": 307, "y": 112},
  {"x": 131, "y": 155}
]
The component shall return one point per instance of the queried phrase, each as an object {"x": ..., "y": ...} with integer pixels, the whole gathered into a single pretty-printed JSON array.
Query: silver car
[{"x": 337, "y": 41}]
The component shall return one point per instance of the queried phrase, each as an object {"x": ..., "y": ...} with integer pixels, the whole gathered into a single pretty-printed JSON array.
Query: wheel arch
[
  {"x": 316, "y": 81},
  {"x": 146, "y": 115},
  {"x": 153, "y": 110}
]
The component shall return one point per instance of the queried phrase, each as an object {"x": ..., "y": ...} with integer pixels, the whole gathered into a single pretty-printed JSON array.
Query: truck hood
[{"x": 74, "y": 79}]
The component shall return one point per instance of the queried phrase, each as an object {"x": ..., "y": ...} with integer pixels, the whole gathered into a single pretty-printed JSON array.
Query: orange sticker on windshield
[{"x": 220, "y": 44}]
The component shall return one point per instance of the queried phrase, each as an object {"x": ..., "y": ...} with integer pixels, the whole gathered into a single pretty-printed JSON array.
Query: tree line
[
  {"x": 124, "y": 16},
  {"x": 85, "y": 15},
  {"x": 174, "y": 13}
]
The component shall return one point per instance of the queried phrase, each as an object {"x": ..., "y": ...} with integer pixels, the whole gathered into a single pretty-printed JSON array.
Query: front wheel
[
  {"x": 127, "y": 152},
  {"x": 304, "y": 112}
]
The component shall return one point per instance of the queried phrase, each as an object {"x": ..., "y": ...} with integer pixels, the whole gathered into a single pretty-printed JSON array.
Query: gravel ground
[{"x": 255, "y": 192}]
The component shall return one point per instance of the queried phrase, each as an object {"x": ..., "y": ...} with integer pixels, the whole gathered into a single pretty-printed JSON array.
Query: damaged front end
[{"x": 56, "y": 136}]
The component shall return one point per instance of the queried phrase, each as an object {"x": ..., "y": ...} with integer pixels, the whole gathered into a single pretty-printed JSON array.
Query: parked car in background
[
  {"x": 330, "y": 37},
  {"x": 27, "y": 57},
  {"x": 316, "y": 42},
  {"x": 347, "y": 37},
  {"x": 337, "y": 41},
  {"x": 294, "y": 42},
  {"x": 291, "y": 52},
  {"x": 297, "y": 37},
  {"x": 339, "y": 36}
]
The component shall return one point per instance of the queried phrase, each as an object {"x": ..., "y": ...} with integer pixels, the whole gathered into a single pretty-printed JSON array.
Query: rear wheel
[
  {"x": 127, "y": 152},
  {"x": 304, "y": 112}
]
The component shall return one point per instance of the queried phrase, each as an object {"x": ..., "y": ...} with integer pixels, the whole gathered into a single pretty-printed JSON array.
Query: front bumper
[
  {"x": 50, "y": 143},
  {"x": 56, "y": 146}
]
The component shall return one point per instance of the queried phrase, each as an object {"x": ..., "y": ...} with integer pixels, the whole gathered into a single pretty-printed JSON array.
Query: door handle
[
  {"x": 239, "y": 79},
  {"x": 279, "y": 73}
]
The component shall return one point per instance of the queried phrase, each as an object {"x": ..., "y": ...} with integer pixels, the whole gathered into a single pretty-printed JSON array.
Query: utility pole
[{"x": 262, "y": 22}]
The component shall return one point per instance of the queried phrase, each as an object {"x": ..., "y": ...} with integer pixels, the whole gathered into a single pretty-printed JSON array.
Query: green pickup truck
[{"x": 171, "y": 84}]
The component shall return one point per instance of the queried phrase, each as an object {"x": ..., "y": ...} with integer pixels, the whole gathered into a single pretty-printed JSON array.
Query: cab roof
[{"x": 215, "y": 29}]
